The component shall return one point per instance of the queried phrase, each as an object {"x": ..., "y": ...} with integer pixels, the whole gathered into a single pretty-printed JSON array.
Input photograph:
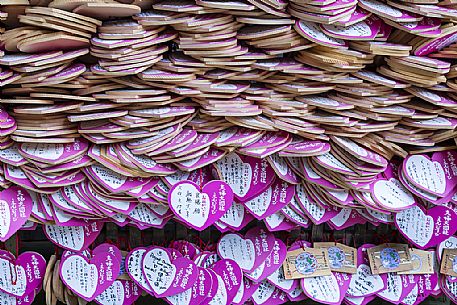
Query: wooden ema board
[
  {"x": 311, "y": 63},
  {"x": 106, "y": 105}
]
